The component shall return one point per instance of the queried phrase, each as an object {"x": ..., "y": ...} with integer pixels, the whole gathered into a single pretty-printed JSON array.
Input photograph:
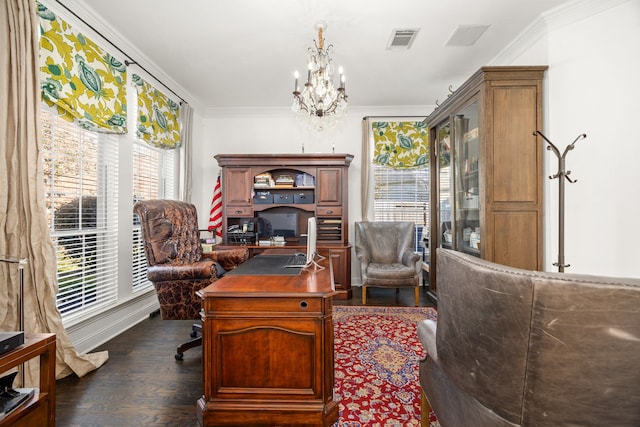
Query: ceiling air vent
[
  {"x": 466, "y": 35},
  {"x": 402, "y": 38}
]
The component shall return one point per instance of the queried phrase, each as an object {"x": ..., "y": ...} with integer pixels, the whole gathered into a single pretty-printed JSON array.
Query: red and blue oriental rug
[{"x": 377, "y": 352}]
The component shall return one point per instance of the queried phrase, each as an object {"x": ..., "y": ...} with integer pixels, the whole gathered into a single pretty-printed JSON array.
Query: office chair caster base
[{"x": 179, "y": 356}]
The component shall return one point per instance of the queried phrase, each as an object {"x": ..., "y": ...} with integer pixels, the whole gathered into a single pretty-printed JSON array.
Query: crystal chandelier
[{"x": 320, "y": 104}]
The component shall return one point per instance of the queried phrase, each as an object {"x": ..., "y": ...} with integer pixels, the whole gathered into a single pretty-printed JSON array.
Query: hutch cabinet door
[
  {"x": 237, "y": 183},
  {"x": 329, "y": 186}
]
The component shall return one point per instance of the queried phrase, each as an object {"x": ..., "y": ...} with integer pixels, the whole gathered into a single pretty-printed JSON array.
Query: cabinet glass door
[
  {"x": 445, "y": 187},
  {"x": 467, "y": 184}
]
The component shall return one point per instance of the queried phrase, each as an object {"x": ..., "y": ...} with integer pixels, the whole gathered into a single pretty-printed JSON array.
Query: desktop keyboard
[{"x": 297, "y": 260}]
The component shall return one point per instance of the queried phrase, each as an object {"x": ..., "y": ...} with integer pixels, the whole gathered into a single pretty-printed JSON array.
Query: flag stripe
[{"x": 215, "y": 214}]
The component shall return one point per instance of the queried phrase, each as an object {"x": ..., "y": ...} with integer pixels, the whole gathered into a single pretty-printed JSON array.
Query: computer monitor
[
  {"x": 277, "y": 223},
  {"x": 312, "y": 249}
]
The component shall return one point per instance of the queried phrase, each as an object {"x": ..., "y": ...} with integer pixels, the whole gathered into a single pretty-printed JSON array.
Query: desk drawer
[
  {"x": 267, "y": 306},
  {"x": 239, "y": 211},
  {"x": 329, "y": 210}
]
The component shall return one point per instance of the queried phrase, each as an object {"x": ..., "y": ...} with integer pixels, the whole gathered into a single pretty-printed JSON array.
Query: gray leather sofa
[{"x": 522, "y": 348}]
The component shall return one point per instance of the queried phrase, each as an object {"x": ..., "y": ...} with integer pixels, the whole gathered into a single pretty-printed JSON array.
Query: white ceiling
[{"x": 220, "y": 54}]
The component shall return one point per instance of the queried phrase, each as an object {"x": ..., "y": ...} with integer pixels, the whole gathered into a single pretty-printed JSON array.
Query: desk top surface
[{"x": 309, "y": 281}]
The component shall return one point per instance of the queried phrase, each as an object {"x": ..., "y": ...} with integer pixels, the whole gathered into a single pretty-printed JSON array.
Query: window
[
  {"x": 81, "y": 195},
  {"x": 153, "y": 173},
  {"x": 402, "y": 195}
]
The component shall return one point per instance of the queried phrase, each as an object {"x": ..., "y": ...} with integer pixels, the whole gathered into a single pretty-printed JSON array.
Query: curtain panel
[
  {"x": 158, "y": 116},
  {"x": 81, "y": 80},
  {"x": 25, "y": 232},
  {"x": 400, "y": 145}
]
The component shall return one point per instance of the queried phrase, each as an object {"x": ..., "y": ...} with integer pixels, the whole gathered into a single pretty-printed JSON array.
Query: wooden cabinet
[
  {"x": 341, "y": 262},
  {"x": 486, "y": 178},
  {"x": 330, "y": 185},
  {"x": 39, "y": 410},
  {"x": 290, "y": 188},
  {"x": 237, "y": 185}
]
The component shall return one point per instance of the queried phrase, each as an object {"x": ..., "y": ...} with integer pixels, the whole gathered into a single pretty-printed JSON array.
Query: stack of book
[
  {"x": 263, "y": 180},
  {"x": 285, "y": 181}
]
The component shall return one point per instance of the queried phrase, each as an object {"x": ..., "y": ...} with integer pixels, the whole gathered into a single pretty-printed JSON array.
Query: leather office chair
[
  {"x": 387, "y": 259},
  {"x": 176, "y": 265}
]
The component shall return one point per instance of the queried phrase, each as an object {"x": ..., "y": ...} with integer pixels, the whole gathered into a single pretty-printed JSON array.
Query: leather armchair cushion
[{"x": 390, "y": 271}]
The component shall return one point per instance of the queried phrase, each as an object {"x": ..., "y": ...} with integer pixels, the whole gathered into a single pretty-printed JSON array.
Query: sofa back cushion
[
  {"x": 484, "y": 317},
  {"x": 584, "y": 352}
]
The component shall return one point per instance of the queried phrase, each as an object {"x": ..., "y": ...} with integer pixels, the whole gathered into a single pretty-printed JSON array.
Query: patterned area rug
[{"x": 377, "y": 352}]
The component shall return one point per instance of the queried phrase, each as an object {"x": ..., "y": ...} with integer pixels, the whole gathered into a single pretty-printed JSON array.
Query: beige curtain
[
  {"x": 23, "y": 222},
  {"x": 366, "y": 178},
  {"x": 186, "y": 138}
]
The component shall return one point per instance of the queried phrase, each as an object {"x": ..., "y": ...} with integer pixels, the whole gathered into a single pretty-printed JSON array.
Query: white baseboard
[{"x": 93, "y": 332}]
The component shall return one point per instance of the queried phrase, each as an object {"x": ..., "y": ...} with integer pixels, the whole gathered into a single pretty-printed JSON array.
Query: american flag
[{"x": 215, "y": 215}]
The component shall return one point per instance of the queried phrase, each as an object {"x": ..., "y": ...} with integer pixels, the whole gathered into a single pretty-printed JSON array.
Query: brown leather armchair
[
  {"x": 176, "y": 265},
  {"x": 387, "y": 259},
  {"x": 523, "y": 348}
]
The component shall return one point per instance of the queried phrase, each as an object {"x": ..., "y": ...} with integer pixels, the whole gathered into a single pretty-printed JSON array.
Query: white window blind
[
  {"x": 153, "y": 172},
  {"x": 81, "y": 193},
  {"x": 402, "y": 195}
]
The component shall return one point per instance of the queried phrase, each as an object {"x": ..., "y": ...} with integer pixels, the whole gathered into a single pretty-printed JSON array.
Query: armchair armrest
[
  {"x": 204, "y": 269},
  {"x": 363, "y": 256},
  {"x": 410, "y": 258},
  {"x": 427, "y": 335},
  {"x": 228, "y": 258}
]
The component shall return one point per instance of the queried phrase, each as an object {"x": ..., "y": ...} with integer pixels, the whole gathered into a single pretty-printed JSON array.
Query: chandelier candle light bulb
[{"x": 320, "y": 103}]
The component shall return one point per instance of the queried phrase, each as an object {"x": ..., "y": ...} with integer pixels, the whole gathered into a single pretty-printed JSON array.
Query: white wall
[{"x": 592, "y": 87}]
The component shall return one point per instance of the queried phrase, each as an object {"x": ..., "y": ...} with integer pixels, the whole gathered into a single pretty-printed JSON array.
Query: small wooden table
[
  {"x": 268, "y": 350},
  {"x": 39, "y": 410}
]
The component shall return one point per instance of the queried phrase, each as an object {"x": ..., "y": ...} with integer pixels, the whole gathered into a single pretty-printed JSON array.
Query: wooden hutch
[
  {"x": 486, "y": 179},
  {"x": 282, "y": 191}
]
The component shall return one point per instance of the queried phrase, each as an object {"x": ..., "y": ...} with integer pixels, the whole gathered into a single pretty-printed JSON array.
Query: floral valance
[
  {"x": 158, "y": 116},
  {"x": 85, "y": 83},
  {"x": 400, "y": 145}
]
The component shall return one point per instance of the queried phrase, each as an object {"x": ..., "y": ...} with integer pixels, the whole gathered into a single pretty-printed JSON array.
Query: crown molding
[
  {"x": 558, "y": 17},
  {"x": 285, "y": 112}
]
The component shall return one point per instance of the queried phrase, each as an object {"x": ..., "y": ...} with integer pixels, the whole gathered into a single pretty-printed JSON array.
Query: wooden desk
[
  {"x": 340, "y": 253},
  {"x": 39, "y": 410},
  {"x": 267, "y": 350}
]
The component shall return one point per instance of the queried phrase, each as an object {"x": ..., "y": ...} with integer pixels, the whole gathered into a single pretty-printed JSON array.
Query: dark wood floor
[{"x": 143, "y": 385}]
